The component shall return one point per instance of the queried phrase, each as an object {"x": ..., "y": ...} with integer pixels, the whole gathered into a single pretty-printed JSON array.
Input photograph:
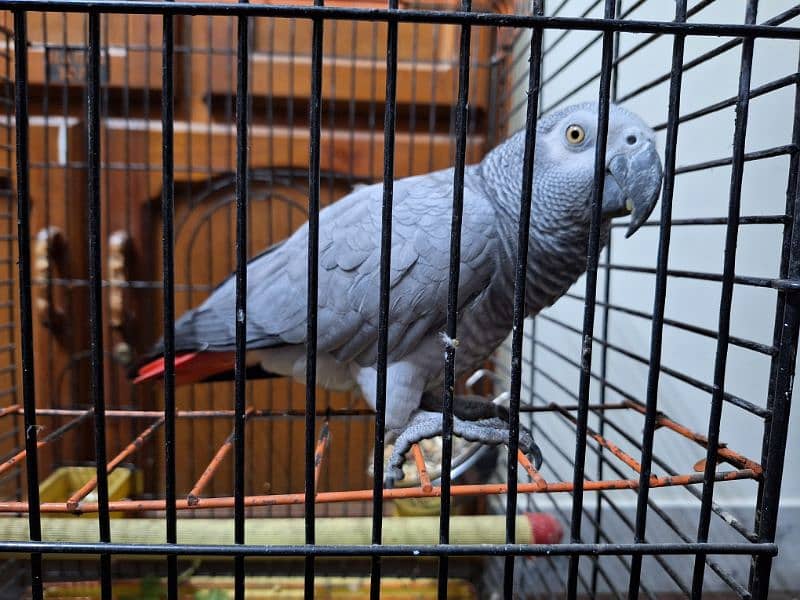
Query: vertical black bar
[
  {"x": 25, "y": 306},
  {"x": 786, "y": 246},
  {"x": 615, "y": 69},
  {"x": 659, "y": 302},
  {"x": 787, "y": 320},
  {"x": 168, "y": 259},
  {"x": 383, "y": 317},
  {"x": 97, "y": 390},
  {"x": 313, "y": 275},
  {"x": 452, "y": 293},
  {"x": 606, "y": 311},
  {"x": 592, "y": 260},
  {"x": 726, "y": 298},
  {"x": 240, "y": 381},
  {"x": 531, "y": 504},
  {"x": 520, "y": 279}
]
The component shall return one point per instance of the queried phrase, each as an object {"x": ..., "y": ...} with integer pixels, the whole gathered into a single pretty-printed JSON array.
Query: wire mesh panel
[
  {"x": 630, "y": 356},
  {"x": 11, "y": 436},
  {"x": 162, "y": 147}
]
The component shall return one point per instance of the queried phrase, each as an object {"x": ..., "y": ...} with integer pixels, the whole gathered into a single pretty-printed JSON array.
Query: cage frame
[{"x": 761, "y": 547}]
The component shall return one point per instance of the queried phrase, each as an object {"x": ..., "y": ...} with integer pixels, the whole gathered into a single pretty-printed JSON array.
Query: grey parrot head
[{"x": 566, "y": 151}]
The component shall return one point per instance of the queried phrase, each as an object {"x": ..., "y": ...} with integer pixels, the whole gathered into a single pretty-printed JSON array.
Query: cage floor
[{"x": 731, "y": 465}]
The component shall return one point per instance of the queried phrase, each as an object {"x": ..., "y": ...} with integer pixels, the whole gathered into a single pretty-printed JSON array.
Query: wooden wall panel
[
  {"x": 204, "y": 153},
  {"x": 61, "y": 361},
  {"x": 130, "y": 63},
  {"x": 354, "y": 63},
  {"x": 57, "y": 207},
  {"x": 10, "y": 427}
]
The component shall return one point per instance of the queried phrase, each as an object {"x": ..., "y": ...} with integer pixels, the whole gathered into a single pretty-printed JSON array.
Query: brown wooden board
[
  {"x": 59, "y": 294},
  {"x": 204, "y": 157},
  {"x": 353, "y": 67},
  {"x": 130, "y": 56}
]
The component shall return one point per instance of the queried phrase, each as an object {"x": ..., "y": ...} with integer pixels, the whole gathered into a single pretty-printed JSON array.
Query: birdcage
[{"x": 154, "y": 147}]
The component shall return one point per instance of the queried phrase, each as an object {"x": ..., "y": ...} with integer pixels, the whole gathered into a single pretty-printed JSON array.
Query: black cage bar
[{"x": 618, "y": 476}]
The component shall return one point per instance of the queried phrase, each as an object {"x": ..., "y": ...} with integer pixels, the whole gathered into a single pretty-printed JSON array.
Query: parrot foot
[
  {"x": 465, "y": 407},
  {"x": 425, "y": 424}
]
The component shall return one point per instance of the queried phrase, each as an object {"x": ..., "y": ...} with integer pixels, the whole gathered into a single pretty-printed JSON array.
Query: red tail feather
[{"x": 190, "y": 367}]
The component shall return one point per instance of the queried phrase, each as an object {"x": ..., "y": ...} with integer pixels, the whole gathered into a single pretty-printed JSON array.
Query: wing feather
[{"x": 349, "y": 275}]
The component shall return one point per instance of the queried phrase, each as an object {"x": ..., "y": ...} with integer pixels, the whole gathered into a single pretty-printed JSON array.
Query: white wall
[{"x": 696, "y": 248}]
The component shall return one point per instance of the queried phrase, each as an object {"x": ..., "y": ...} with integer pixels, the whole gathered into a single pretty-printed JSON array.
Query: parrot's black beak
[{"x": 632, "y": 185}]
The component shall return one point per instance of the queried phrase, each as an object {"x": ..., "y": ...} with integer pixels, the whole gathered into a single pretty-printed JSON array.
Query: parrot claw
[{"x": 424, "y": 425}]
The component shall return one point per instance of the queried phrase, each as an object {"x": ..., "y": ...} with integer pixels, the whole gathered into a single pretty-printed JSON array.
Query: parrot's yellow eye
[{"x": 575, "y": 134}]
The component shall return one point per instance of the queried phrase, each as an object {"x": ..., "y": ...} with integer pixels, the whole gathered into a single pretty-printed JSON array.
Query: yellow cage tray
[
  {"x": 221, "y": 588},
  {"x": 65, "y": 481}
]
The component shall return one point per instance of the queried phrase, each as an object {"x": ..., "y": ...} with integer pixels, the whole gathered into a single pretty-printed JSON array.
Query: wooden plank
[
  {"x": 354, "y": 64},
  {"x": 362, "y": 80},
  {"x": 346, "y": 40},
  {"x": 11, "y": 437},
  {"x": 130, "y": 56},
  {"x": 205, "y": 150},
  {"x": 477, "y": 6},
  {"x": 58, "y": 199}
]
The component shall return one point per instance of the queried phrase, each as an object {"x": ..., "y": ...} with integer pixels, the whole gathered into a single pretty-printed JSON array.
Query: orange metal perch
[
  {"x": 745, "y": 468},
  {"x": 75, "y": 499},
  {"x": 213, "y": 464}
]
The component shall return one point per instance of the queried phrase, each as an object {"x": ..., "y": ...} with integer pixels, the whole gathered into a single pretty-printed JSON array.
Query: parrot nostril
[{"x": 631, "y": 139}]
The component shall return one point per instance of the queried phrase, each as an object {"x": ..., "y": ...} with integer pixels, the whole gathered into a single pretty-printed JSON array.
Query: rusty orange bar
[
  {"x": 531, "y": 470},
  {"x": 323, "y": 443},
  {"x": 74, "y": 500},
  {"x": 200, "y": 414},
  {"x": 349, "y": 412},
  {"x": 610, "y": 446},
  {"x": 419, "y": 460},
  {"x": 17, "y": 458},
  {"x": 736, "y": 459},
  {"x": 193, "y": 496},
  {"x": 366, "y": 495},
  {"x": 52, "y": 436},
  {"x": 7, "y": 410},
  {"x": 747, "y": 470}
]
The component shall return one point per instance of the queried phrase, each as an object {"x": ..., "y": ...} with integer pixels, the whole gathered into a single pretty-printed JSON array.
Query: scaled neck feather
[{"x": 559, "y": 226}]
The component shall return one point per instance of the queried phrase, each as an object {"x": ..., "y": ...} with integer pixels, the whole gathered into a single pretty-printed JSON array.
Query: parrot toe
[
  {"x": 422, "y": 426},
  {"x": 425, "y": 424},
  {"x": 466, "y": 407}
]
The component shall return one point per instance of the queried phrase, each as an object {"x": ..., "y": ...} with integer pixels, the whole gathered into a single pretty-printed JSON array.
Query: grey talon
[
  {"x": 425, "y": 425},
  {"x": 537, "y": 456}
]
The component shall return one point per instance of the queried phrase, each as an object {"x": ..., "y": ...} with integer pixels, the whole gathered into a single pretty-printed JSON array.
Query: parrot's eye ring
[{"x": 575, "y": 134}]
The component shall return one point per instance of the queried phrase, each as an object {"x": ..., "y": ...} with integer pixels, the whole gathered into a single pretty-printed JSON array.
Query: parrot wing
[{"x": 349, "y": 278}]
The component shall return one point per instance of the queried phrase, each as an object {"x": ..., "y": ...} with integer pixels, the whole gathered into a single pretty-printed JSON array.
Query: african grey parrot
[{"x": 349, "y": 257}]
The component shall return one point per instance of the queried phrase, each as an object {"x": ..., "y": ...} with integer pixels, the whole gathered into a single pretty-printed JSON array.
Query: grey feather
[{"x": 349, "y": 274}]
